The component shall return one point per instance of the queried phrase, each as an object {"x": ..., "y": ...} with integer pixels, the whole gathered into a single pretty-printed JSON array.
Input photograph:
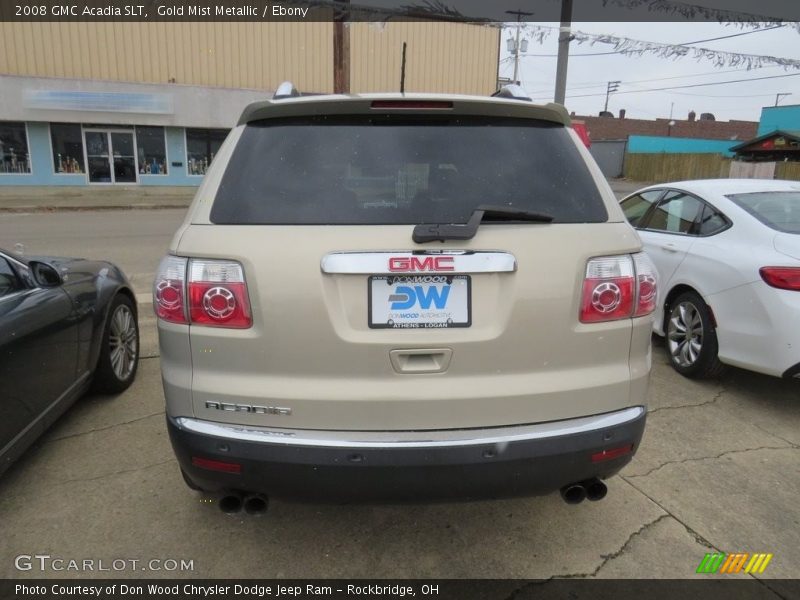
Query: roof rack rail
[
  {"x": 286, "y": 90},
  {"x": 517, "y": 92}
]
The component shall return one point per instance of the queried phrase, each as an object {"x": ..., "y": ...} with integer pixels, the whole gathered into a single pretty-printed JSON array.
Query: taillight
[
  {"x": 618, "y": 287},
  {"x": 608, "y": 290},
  {"x": 218, "y": 294},
  {"x": 169, "y": 295},
  {"x": 784, "y": 278},
  {"x": 646, "y": 284},
  {"x": 201, "y": 292}
]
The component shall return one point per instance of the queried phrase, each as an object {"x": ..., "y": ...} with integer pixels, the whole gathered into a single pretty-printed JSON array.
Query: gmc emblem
[{"x": 429, "y": 263}]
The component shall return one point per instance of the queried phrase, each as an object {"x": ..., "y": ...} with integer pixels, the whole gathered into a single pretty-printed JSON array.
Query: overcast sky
[{"x": 589, "y": 74}]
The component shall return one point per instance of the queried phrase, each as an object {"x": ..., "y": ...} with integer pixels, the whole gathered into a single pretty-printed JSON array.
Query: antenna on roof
[{"x": 286, "y": 90}]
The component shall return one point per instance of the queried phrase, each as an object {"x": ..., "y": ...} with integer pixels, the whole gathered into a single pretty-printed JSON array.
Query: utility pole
[
  {"x": 778, "y": 97},
  {"x": 403, "y": 71},
  {"x": 612, "y": 86},
  {"x": 516, "y": 49},
  {"x": 564, "y": 38},
  {"x": 341, "y": 48}
]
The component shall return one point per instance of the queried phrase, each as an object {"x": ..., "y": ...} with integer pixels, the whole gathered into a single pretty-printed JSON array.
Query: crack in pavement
[
  {"x": 83, "y": 480},
  {"x": 697, "y": 537},
  {"x": 123, "y": 471},
  {"x": 609, "y": 557},
  {"x": 775, "y": 435},
  {"x": 716, "y": 397},
  {"x": 700, "y": 458},
  {"x": 606, "y": 558},
  {"x": 107, "y": 427}
]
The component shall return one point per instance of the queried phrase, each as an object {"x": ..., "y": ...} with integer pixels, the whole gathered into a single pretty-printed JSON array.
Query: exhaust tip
[
  {"x": 230, "y": 504},
  {"x": 595, "y": 489},
  {"x": 256, "y": 505},
  {"x": 573, "y": 493}
]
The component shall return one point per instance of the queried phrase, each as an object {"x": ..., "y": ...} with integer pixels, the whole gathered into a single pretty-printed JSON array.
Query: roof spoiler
[
  {"x": 286, "y": 90},
  {"x": 513, "y": 91}
]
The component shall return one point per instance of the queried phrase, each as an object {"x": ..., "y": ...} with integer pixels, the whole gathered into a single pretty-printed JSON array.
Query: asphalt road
[
  {"x": 134, "y": 239},
  {"x": 718, "y": 470}
]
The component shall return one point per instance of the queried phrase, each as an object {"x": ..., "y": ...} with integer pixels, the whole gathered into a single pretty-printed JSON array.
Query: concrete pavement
[{"x": 717, "y": 471}]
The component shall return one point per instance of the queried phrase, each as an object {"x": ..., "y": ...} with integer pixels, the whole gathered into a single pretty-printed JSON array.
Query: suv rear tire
[{"x": 691, "y": 340}]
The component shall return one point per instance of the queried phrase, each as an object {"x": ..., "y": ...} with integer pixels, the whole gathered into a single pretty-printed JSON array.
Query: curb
[{"x": 74, "y": 208}]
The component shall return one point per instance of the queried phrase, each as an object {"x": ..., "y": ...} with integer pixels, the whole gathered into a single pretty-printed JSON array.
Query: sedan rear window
[
  {"x": 778, "y": 210},
  {"x": 403, "y": 170}
]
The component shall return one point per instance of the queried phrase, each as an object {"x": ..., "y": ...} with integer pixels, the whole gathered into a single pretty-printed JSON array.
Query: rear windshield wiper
[{"x": 432, "y": 232}]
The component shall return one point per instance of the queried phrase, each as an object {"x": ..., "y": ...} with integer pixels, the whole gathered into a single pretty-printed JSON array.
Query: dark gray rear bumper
[{"x": 467, "y": 463}]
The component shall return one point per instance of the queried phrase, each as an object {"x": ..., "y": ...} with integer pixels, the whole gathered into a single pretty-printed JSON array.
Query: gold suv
[{"x": 404, "y": 296}]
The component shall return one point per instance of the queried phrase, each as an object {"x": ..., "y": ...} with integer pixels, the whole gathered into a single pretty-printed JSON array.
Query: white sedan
[{"x": 728, "y": 255}]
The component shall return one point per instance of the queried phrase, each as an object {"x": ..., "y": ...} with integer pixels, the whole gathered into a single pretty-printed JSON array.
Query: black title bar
[
  {"x": 709, "y": 588},
  {"x": 479, "y": 11}
]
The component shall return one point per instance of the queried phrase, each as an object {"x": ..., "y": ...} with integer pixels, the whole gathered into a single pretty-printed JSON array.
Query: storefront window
[
  {"x": 151, "y": 149},
  {"x": 67, "y": 142},
  {"x": 14, "y": 156},
  {"x": 202, "y": 146}
]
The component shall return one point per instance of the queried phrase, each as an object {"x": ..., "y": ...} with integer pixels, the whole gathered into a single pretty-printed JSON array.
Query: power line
[
  {"x": 587, "y": 86},
  {"x": 770, "y": 94},
  {"x": 714, "y": 39},
  {"x": 681, "y": 87}
]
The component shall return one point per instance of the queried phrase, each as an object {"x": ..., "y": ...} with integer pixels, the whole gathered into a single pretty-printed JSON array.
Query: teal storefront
[
  {"x": 62, "y": 132},
  {"x": 68, "y": 154}
]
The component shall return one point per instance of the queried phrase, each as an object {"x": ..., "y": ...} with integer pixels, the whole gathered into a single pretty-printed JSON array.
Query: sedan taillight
[
  {"x": 618, "y": 287},
  {"x": 646, "y": 284},
  {"x": 169, "y": 290},
  {"x": 783, "y": 278},
  {"x": 202, "y": 292}
]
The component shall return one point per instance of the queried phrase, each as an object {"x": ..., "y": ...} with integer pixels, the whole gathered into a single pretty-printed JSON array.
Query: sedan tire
[
  {"x": 691, "y": 340},
  {"x": 119, "y": 351}
]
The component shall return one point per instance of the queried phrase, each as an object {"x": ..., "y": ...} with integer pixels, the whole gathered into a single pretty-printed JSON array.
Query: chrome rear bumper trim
[{"x": 410, "y": 439}]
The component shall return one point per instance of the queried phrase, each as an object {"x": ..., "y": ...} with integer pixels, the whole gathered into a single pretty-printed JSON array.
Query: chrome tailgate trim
[{"x": 379, "y": 263}]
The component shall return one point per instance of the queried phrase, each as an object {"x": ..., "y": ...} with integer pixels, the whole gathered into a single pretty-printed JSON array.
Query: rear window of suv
[{"x": 402, "y": 170}]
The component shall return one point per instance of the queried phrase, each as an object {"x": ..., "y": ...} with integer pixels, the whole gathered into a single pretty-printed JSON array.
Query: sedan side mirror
[{"x": 44, "y": 274}]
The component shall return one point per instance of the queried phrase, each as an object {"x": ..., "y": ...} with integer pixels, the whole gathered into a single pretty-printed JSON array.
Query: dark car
[{"x": 66, "y": 324}]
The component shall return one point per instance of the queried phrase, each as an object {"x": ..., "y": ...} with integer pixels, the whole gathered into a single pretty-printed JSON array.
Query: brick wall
[{"x": 612, "y": 128}]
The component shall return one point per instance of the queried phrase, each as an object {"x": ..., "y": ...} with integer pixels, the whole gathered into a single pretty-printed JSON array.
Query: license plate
[{"x": 419, "y": 301}]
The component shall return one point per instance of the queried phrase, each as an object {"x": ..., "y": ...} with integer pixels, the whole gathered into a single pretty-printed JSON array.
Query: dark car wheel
[
  {"x": 119, "y": 351},
  {"x": 691, "y": 340}
]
